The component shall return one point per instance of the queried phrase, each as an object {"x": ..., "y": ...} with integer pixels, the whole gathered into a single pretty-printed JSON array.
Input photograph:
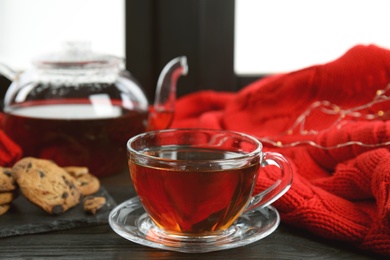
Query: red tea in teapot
[
  {"x": 76, "y": 134},
  {"x": 79, "y": 108}
]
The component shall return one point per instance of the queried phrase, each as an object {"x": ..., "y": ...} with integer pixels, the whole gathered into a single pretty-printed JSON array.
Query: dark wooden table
[{"x": 100, "y": 242}]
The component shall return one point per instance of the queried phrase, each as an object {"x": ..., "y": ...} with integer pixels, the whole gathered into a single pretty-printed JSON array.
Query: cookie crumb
[{"x": 92, "y": 204}]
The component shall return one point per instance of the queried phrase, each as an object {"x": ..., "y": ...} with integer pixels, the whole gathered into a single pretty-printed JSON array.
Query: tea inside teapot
[{"x": 79, "y": 108}]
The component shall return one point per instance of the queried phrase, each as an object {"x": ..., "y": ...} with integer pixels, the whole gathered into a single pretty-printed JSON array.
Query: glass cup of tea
[{"x": 194, "y": 184}]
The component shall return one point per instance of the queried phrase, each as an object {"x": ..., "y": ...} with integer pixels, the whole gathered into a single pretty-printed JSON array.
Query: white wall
[{"x": 32, "y": 27}]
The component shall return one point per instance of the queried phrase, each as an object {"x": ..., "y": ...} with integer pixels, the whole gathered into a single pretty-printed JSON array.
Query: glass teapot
[{"x": 78, "y": 108}]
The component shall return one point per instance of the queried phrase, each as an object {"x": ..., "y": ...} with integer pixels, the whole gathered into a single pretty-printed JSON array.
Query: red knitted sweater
[{"x": 330, "y": 121}]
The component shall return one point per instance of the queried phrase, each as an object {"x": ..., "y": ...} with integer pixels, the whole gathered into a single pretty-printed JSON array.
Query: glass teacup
[{"x": 195, "y": 183}]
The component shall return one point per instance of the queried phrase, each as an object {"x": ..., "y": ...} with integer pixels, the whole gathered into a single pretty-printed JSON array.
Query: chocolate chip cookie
[
  {"x": 7, "y": 182},
  {"x": 4, "y": 208},
  {"x": 46, "y": 185},
  {"x": 7, "y": 197},
  {"x": 86, "y": 183}
]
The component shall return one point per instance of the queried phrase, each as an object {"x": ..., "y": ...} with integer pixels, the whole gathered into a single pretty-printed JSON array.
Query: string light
[
  {"x": 279, "y": 144},
  {"x": 361, "y": 112}
]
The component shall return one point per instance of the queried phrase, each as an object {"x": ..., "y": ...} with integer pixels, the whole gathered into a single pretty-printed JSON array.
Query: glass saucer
[{"x": 130, "y": 221}]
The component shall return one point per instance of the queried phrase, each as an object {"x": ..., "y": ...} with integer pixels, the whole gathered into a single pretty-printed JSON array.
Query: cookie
[
  {"x": 4, "y": 208},
  {"x": 7, "y": 197},
  {"x": 92, "y": 204},
  {"x": 86, "y": 182},
  {"x": 76, "y": 171},
  {"x": 46, "y": 185},
  {"x": 7, "y": 182}
]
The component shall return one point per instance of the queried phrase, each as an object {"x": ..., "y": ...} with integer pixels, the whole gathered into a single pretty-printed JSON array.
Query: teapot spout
[
  {"x": 166, "y": 84},
  {"x": 162, "y": 111}
]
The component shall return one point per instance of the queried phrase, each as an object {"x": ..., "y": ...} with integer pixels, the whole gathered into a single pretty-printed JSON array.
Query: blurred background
[{"x": 229, "y": 43}]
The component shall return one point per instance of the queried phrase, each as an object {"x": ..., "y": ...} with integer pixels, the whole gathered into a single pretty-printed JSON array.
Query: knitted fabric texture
[{"x": 338, "y": 192}]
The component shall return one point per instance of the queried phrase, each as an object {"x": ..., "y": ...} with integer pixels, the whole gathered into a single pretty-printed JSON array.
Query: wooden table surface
[{"x": 101, "y": 242}]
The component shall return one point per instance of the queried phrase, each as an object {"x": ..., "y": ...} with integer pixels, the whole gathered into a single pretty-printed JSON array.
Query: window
[
  {"x": 284, "y": 35},
  {"x": 30, "y": 28}
]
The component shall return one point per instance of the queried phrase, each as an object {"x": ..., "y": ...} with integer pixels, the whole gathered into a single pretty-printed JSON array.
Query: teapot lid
[{"x": 76, "y": 55}]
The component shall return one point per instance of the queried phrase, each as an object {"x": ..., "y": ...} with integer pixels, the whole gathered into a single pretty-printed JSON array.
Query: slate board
[{"x": 26, "y": 218}]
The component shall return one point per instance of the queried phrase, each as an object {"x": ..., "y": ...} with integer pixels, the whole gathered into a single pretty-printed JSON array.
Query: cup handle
[{"x": 279, "y": 187}]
